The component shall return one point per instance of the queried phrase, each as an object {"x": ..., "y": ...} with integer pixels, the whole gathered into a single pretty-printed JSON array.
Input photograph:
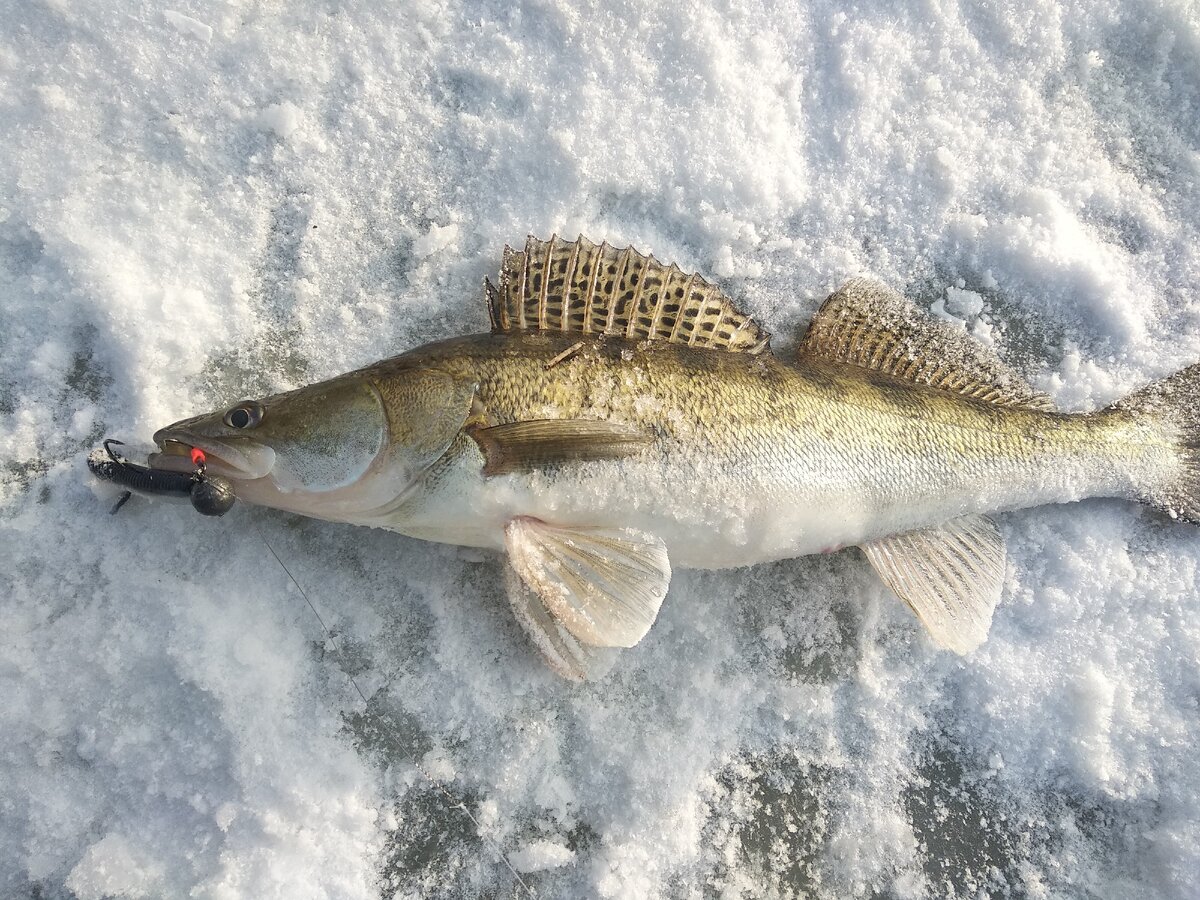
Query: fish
[{"x": 623, "y": 417}]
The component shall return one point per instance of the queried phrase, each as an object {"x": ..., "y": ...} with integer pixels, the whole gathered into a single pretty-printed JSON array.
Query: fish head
[
  {"x": 298, "y": 451},
  {"x": 339, "y": 449}
]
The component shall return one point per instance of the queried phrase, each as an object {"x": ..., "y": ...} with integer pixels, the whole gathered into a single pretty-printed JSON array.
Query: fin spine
[
  {"x": 559, "y": 286},
  {"x": 591, "y": 294},
  {"x": 636, "y": 303},
  {"x": 688, "y": 290},
  {"x": 521, "y": 293},
  {"x": 568, "y": 279}
]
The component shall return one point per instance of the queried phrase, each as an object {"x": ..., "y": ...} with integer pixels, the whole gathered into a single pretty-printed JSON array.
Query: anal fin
[
  {"x": 604, "y": 585},
  {"x": 951, "y": 576}
]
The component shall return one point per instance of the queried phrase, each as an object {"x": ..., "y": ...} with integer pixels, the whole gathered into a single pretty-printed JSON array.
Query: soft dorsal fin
[
  {"x": 583, "y": 288},
  {"x": 868, "y": 324}
]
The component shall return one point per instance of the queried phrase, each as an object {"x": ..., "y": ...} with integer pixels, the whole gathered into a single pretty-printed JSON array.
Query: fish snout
[{"x": 239, "y": 459}]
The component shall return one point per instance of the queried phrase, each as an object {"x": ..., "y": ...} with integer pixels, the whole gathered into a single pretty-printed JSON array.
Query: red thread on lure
[{"x": 198, "y": 458}]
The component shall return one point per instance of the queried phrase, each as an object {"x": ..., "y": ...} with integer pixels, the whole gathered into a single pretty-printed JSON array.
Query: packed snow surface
[{"x": 209, "y": 201}]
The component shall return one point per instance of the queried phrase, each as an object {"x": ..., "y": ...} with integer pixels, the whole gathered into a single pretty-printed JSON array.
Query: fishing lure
[{"x": 211, "y": 495}]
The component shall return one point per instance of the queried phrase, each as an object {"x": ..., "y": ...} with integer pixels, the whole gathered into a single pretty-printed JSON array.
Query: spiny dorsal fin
[
  {"x": 868, "y": 324},
  {"x": 579, "y": 287}
]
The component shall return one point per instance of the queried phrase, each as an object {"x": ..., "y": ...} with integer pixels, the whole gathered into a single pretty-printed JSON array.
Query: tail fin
[{"x": 1175, "y": 403}]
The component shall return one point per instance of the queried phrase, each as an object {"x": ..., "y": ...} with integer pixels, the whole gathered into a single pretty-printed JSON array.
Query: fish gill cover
[{"x": 205, "y": 202}]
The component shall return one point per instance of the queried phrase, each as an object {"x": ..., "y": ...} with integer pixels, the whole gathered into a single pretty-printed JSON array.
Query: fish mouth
[{"x": 245, "y": 461}]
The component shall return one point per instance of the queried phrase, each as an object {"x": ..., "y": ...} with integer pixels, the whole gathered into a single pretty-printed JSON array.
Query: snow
[
  {"x": 964, "y": 303},
  {"x": 109, "y": 869},
  {"x": 222, "y": 200},
  {"x": 281, "y": 118},
  {"x": 439, "y": 237}
]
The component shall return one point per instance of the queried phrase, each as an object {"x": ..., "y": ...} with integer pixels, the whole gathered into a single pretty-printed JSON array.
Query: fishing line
[{"x": 458, "y": 804}]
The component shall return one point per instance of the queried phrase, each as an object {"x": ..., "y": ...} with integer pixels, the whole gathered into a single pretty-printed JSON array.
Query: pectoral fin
[
  {"x": 603, "y": 585},
  {"x": 522, "y": 446},
  {"x": 560, "y": 650},
  {"x": 951, "y": 576}
]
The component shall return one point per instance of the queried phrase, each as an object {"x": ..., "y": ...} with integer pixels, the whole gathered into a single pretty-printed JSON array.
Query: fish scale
[{"x": 779, "y": 440}]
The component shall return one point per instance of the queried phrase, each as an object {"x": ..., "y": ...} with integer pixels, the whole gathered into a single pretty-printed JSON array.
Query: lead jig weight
[{"x": 210, "y": 495}]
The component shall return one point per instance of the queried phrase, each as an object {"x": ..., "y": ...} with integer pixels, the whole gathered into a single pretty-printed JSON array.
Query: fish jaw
[{"x": 244, "y": 461}]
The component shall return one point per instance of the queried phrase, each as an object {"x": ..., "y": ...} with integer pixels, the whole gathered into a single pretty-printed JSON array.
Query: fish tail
[{"x": 1172, "y": 407}]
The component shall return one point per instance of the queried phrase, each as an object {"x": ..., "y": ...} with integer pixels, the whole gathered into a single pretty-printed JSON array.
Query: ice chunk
[
  {"x": 188, "y": 25},
  {"x": 962, "y": 303},
  {"x": 110, "y": 868},
  {"x": 537, "y": 856},
  {"x": 281, "y": 118},
  {"x": 437, "y": 238}
]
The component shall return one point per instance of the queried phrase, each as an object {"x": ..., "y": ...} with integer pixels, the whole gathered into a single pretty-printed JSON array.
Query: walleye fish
[{"x": 624, "y": 416}]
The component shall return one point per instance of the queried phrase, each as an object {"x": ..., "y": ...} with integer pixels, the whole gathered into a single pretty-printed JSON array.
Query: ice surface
[{"x": 220, "y": 200}]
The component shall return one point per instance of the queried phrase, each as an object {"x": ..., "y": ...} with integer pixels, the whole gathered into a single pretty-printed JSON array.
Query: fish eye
[{"x": 244, "y": 415}]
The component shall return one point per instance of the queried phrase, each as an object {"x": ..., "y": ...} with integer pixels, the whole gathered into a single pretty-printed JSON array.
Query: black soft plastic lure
[{"x": 211, "y": 495}]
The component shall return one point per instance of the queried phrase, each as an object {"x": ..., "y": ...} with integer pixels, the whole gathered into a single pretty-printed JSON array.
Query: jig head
[{"x": 211, "y": 495}]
